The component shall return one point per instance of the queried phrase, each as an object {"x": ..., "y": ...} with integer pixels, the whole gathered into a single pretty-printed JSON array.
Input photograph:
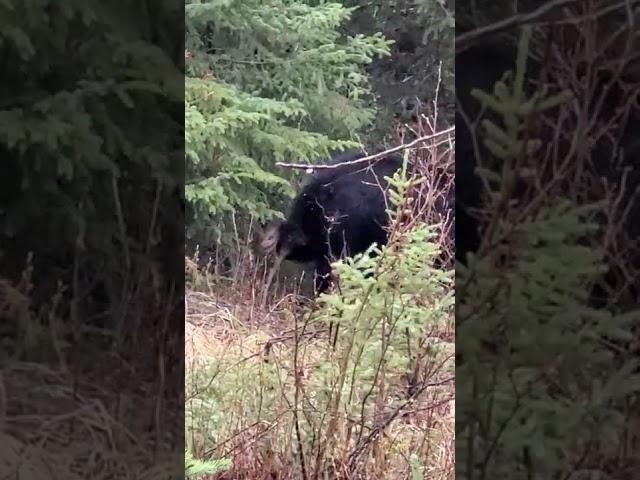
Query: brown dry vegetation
[{"x": 89, "y": 411}]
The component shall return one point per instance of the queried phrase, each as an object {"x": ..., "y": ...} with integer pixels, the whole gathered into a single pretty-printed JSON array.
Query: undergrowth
[{"x": 271, "y": 392}]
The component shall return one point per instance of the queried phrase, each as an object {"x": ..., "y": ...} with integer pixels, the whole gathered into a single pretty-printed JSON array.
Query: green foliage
[
  {"x": 287, "y": 50},
  {"x": 438, "y": 20},
  {"x": 439, "y": 26},
  {"x": 537, "y": 385},
  {"x": 435, "y": 19},
  {"x": 77, "y": 184},
  {"x": 219, "y": 176},
  {"x": 401, "y": 297},
  {"x": 416, "y": 468},
  {"x": 266, "y": 83},
  {"x": 195, "y": 469},
  {"x": 406, "y": 84}
]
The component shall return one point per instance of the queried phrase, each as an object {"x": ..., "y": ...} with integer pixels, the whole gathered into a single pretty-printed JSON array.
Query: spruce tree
[{"x": 266, "y": 83}]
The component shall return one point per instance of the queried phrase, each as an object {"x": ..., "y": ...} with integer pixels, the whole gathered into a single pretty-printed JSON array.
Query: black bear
[{"x": 339, "y": 212}]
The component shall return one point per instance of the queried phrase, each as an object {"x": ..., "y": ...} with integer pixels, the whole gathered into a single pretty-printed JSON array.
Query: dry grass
[
  {"x": 257, "y": 357},
  {"x": 57, "y": 425},
  {"x": 73, "y": 408},
  {"x": 55, "y": 431}
]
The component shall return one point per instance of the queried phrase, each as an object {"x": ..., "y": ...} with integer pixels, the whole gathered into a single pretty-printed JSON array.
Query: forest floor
[{"x": 241, "y": 397}]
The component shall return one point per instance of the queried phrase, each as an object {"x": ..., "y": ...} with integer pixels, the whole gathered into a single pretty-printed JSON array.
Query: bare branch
[
  {"x": 464, "y": 40},
  {"x": 417, "y": 141}
]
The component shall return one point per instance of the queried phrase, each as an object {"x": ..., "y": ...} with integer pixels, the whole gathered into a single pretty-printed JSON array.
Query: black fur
[{"x": 339, "y": 212}]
